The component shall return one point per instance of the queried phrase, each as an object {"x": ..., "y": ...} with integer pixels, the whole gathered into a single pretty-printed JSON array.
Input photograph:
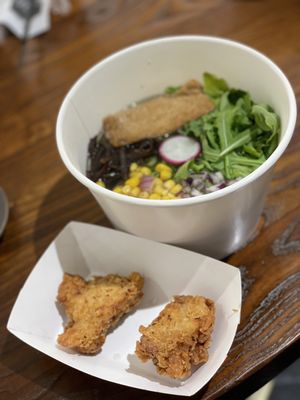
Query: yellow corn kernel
[
  {"x": 154, "y": 196},
  {"x": 133, "y": 182},
  {"x": 126, "y": 189},
  {"x": 171, "y": 196},
  {"x": 168, "y": 196},
  {"x": 176, "y": 189},
  {"x": 135, "y": 191},
  {"x": 118, "y": 189},
  {"x": 169, "y": 184},
  {"x": 133, "y": 167},
  {"x": 165, "y": 192},
  {"x": 160, "y": 167},
  {"x": 146, "y": 171},
  {"x": 136, "y": 174},
  {"x": 165, "y": 174},
  {"x": 101, "y": 183},
  {"x": 157, "y": 181},
  {"x": 144, "y": 195},
  {"x": 158, "y": 189}
]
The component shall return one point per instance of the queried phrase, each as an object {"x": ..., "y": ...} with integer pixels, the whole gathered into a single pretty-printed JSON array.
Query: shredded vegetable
[{"x": 236, "y": 138}]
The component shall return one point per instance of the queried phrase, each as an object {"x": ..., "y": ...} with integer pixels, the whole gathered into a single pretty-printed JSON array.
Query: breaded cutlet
[
  {"x": 94, "y": 307},
  {"x": 179, "y": 337},
  {"x": 158, "y": 116}
]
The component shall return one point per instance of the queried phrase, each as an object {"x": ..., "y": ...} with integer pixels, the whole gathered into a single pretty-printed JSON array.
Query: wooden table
[{"x": 44, "y": 197}]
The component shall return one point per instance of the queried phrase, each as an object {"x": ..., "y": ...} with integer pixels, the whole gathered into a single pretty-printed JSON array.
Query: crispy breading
[
  {"x": 94, "y": 307},
  {"x": 179, "y": 337},
  {"x": 158, "y": 116}
]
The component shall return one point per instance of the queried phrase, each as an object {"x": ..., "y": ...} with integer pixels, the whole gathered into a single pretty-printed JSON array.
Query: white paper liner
[{"x": 93, "y": 250}]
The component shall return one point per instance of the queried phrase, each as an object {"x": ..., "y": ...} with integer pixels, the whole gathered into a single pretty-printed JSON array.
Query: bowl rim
[{"x": 95, "y": 188}]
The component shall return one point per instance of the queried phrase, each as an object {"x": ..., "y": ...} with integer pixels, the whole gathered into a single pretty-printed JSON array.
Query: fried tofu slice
[
  {"x": 158, "y": 116},
  {"x": 179, "y": 337},
  {"x": 94, "y": 307}
]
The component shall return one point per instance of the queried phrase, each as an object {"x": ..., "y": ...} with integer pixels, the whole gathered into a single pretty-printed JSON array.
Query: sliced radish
[{"x": 177, "y": 150}]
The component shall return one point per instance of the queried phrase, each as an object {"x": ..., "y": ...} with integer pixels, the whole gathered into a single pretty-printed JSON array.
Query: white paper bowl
[{"x": 217, "y": 223}]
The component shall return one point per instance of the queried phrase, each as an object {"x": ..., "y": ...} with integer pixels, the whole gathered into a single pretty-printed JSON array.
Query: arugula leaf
[
  {"x": 251, "y": 150},
  {"x": 212, "y": 137},
  {"x": 247, "y": 161},
  {"x": 265, "y": 119},
  {"x": 195, "y": 128},
  {"x": 245, "y": 103},
  {"x": 239, "y": 141},
  {"x": 224, "y": 102},
  {"x": 242, "y": 118},
  {"x": 240, "y": 171},
  {"x": 209, "y": 166},
  {"x": 209, "y": 153},
  {"x": 236, "y": 94},
  {"x": 272, "y": 146},
  {"x": 214, "y": 86},
  {"x": 182, "y": 172},
  {"x": 172, "y": 89},
  {"x": 224, "y": 122},
  {"x": 236, "y": 137},
  {"x": 197, "y": 167}
]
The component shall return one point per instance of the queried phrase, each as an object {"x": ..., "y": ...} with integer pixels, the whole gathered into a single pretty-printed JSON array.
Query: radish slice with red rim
[{"x": 177, "y": 150}]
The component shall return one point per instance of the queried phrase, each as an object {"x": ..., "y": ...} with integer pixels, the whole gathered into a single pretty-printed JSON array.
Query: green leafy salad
[{"x": 236, "y": 137}]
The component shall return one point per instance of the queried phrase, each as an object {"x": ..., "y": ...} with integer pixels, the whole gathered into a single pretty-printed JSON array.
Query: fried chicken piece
[
  {"x": 94, "y": 307},
  {"x": 158, "y": 116},
  {"x": 179, "y": 337}
]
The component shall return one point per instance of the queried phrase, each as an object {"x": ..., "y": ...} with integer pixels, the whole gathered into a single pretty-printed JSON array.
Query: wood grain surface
[{"x": 43, "y": 196}]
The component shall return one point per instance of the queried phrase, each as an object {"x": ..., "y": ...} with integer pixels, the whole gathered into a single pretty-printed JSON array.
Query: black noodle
[{"x": 111, "y": 164}]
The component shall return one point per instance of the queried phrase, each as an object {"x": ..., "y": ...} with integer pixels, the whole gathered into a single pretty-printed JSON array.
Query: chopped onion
[
  {"x": 216, "y": 177},
  {"x": 146, "y": 183},
  {"x": 195, "y": 192},
  {"x": 212, "y": 188},
  {"x": 187, "y": 189}
]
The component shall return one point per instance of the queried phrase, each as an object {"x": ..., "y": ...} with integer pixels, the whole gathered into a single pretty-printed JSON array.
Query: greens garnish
[
  {"x": 236, "y": 137},
  {"x": 182, "y": 172},
  {"x": 213, "y": 86},
  {"x": 172, "y": 89}
]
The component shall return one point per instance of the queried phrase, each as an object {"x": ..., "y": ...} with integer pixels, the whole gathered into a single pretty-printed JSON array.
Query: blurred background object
[
  {"x": 30, "y": 18},
  {"x": 25, "y": 18},
  {"x": 26, "y": 12},
  {"x": 60, "y": 7}
]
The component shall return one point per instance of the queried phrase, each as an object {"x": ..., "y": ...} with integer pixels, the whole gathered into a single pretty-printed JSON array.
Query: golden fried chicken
[
  {"x": 94, "y": 307},
  {"x": 179, "y": 337}
]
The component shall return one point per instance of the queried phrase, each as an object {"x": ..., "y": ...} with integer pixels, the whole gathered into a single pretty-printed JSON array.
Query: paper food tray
[{"x": 87, "y": 250}]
